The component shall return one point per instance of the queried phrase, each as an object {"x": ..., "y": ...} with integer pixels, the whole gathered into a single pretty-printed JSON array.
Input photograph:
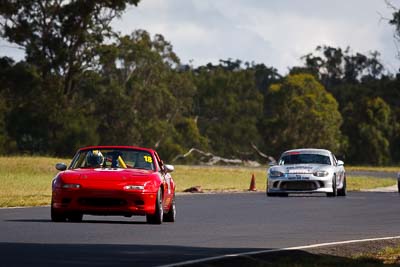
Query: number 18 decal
[{"x": 148, "y": 159}]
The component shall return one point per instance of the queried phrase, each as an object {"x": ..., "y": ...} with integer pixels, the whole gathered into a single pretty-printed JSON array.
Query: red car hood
[{"x": 109, "y": 175}]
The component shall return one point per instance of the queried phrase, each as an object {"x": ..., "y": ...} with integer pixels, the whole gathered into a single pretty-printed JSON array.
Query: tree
[
  {"x": 29, "y": 114},
  {"x": 301, "y": 113},
  {"x": 60, "y": 39},
  {"x": 59, "y": 36},
  {"x": 335, "y": 66},
  {"x": 20, "y": 87},
  {"x": 228, "y": 105},
  {"x": 151, "y": 98},
  {"x": 395, "y": 21},
  {"x": 369, "y": 128},
  {"x": 5, "y": 142}
]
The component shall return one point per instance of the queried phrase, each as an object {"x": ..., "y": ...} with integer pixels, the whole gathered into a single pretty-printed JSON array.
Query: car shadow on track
[
  {"x": 61, "y": 255},
  {"x": 83, "y": 222},
  {"x": 315, "y": 196}
]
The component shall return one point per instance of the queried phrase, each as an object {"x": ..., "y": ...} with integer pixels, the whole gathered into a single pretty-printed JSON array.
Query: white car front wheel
[
  {"x": 398, "y": 185},
  {"x": 343, "y": 191},
  {"x": 334, "y": 189}
]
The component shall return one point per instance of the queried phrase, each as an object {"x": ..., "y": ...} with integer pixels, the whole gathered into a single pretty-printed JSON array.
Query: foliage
[
  {"x": 300, "y": 113},
  {"x": 228, "y": 105},
  {"x": 369, "y": 125},
  {"x": 333, "y": 66},
  {"x": 82, "y": 84},
  {"x": 59, "y": 36},
  {"x": 359, "y": 82},
  {"x": 149, "y": 96},
  {"x": 60, "y": 39}
]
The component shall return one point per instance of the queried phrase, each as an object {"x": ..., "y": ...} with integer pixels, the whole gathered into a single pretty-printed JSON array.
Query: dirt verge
[{"x": 364, "y": 254}]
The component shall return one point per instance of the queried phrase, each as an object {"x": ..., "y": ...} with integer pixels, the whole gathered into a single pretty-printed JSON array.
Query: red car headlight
[
  {"x": 71, "y": 186},
  {"x": 134, "y": 187}
]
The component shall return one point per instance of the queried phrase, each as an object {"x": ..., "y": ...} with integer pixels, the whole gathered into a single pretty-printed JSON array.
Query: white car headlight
[
  {"x": 275, "y": 174},
  {"x": 321, "y": 173}
]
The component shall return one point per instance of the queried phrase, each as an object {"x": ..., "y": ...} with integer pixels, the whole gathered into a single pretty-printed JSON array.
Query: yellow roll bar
[{"x": 121, "y": 162}]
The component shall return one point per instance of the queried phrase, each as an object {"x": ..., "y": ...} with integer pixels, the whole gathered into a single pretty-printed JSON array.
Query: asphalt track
[{"x": 208, "y": 225}]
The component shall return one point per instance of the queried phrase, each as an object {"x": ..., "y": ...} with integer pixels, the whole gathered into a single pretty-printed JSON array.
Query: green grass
[
  {"x": 373, "y": 168},
  {"x": 238, "y": 179},
  {"x": 357, "y": 183},
  {"x": 218, "y": 178},
  {"x": 26, "y": 181}
]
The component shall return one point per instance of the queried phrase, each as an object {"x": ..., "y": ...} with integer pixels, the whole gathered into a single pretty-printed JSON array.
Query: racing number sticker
[{"x": 148, "y": 159}]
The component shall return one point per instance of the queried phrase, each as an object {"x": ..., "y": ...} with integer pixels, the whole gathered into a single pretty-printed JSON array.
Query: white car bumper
[{"x": 300, "y": 183}]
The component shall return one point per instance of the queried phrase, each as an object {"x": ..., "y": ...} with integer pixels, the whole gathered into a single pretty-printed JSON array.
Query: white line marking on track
[{"x": 277, "y": 250}]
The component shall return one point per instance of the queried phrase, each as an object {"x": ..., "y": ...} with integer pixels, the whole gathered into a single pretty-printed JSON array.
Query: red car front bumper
[{"x": 104, "y": 202}]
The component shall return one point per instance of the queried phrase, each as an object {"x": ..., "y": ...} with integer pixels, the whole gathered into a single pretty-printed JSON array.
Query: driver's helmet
[{"x": 95, "y": 158}]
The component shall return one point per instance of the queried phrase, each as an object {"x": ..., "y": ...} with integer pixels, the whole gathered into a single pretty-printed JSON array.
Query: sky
[{"x": 276, "y": 33}]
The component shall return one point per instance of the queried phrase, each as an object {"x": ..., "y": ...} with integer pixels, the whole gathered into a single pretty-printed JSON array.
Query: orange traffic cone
[{"x": 253, "y": 183}]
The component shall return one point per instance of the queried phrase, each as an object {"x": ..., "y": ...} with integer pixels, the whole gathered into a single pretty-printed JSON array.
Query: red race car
[{"x": 114, "y": 180}]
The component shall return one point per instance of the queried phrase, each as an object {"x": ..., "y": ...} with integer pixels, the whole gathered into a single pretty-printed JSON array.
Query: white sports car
[{"x": 307, "y": 171}]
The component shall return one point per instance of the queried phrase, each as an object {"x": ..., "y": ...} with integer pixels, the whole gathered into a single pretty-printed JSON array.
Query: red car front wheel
[
  {"x": 57, "y": 216},
  {"x": 157, "y": 217},
  {"x": 171, "y": 215}
]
